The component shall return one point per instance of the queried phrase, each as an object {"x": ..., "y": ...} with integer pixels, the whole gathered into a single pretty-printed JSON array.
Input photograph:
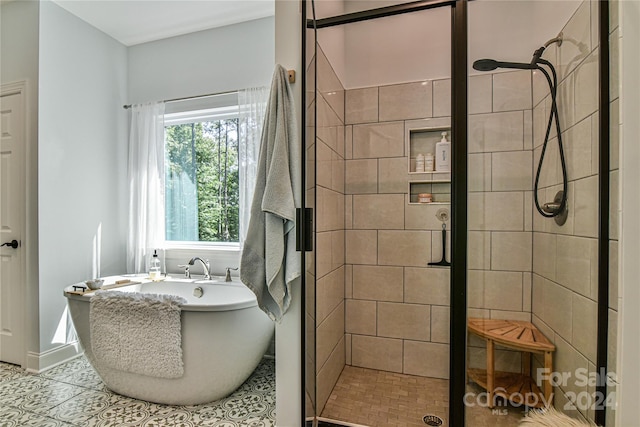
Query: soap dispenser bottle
[
  {"x": 154, "y": 267},
  {"x": 443, "y": 154}
]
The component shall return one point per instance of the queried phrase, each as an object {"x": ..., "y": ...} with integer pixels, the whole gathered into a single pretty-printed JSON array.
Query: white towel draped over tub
[
  {"x": 269, "y": 262},
  {"x": 138, "y": 333}
]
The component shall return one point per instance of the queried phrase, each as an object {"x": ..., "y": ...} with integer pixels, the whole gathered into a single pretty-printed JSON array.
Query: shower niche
[
  {"x": 421, "y": 137},
  {"x": 439, "y": 189}
]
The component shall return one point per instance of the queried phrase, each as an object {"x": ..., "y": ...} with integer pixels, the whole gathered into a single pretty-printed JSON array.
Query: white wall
[
  {"x": 218, "y": 60},
  {"x": 212, "y": 61},
  {"x": 628, "y": 411},
  {"x": 417, "y": 46},
  {"x": 399, "y": 49},
  {"x": 18, "y": 62},
  {"x": 82, "y": 159},
  {"x": 76, "y": 182}
]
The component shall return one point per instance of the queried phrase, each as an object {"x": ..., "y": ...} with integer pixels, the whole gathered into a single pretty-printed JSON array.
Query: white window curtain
[
  {"x": 146, "y": 185},
  {"x": 252, "y": 104}
]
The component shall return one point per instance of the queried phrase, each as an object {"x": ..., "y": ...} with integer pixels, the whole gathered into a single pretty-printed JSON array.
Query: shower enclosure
[{"x": 522, "y": 315}]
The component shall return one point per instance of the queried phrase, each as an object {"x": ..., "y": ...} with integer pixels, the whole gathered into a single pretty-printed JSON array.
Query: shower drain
[{"x": 432, "y": 420}]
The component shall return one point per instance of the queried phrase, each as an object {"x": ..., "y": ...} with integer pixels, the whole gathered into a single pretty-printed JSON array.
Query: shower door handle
[{"x": 304, "y": 229}]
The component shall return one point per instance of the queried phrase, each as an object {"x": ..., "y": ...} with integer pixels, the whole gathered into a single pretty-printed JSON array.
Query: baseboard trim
[{"x": 40, "y": 362}]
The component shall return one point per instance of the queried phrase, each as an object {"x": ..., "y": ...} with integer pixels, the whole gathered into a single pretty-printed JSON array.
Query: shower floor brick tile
[
  {"x": 72, "y": 394},
  {"x": 376, "y": 398}
]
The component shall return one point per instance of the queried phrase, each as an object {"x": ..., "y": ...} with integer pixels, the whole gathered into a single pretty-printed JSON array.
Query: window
[{"x": 201, "y": 175}]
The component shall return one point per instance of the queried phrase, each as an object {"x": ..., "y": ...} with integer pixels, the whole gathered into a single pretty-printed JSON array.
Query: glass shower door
[
  {"x": 310, "y": 203},
  {"x": 382, "y": 198},
  {"x": 532, "y": 273}
]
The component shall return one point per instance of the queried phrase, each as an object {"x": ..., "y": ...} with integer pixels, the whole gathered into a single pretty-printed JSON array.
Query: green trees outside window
[{"x": 201, "y": 181}]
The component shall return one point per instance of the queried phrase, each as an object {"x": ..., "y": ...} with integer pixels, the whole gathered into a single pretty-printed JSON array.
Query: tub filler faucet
[
  {"x": 205, "y": 266},
  {"x": 192, "y": 261}
]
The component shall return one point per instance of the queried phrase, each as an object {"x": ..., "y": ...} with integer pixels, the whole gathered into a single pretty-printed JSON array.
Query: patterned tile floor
[
  {"x": 377, "y": 398},
  {"x": 72, "y": 394}
]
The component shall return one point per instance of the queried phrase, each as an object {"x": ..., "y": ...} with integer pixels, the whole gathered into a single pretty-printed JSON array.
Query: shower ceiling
[
  {"x": 141, "y": 21},
  {"x": 364, "y": 54}
]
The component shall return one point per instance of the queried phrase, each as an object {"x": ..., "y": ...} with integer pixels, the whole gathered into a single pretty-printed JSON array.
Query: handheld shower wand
[{"x": 558, "y": 208}]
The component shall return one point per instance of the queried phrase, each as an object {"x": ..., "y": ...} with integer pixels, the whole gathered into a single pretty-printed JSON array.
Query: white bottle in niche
[
  {"x": 443, "y": 154},
  {"x": 419, "y": 163},
  {"x": 428, "y": 162}
]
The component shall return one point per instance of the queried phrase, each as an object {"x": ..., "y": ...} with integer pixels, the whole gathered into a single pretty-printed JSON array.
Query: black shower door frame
[
  {"x": 459, "y": 189},
  {"x": 459, "y": 114}
]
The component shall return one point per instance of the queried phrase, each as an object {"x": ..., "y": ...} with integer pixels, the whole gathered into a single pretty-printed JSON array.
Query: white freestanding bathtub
[{"x": 224, "y": 336}]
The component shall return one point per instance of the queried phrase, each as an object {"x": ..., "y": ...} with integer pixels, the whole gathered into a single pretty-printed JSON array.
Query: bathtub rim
[{"x": 184, "y": 307}]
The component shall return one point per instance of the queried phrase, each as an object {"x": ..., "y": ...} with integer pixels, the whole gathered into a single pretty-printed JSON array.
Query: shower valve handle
[{"x": 551, "y": 207}]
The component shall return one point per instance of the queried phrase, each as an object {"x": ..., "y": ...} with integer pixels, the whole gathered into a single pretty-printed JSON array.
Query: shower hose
[{"x": 553, "y": 116}]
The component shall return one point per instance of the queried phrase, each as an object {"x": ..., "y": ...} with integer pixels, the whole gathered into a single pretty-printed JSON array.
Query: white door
[{"x": 12, "y": 222}]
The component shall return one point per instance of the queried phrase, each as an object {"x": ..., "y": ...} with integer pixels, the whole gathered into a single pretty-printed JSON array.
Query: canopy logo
[{"x": 565, "y": 383}]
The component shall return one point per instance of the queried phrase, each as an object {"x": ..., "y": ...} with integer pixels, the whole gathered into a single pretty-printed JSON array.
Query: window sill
[
  {"x": 201, "y": 246},
  {"x": 219, "y": 256}
]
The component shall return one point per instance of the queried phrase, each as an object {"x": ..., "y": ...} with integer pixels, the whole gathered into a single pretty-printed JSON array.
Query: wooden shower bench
[{"x": 519, "y": 388}]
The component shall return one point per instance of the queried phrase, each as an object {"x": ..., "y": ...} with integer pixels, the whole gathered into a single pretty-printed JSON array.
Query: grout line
[
  {"x": 492, "y": 91},
  {"x": 378, "y": 96},
  {"x": 377, "y": 316},
  {"x": 377, "y": 247},
  {"x": 404, "y": 284}
]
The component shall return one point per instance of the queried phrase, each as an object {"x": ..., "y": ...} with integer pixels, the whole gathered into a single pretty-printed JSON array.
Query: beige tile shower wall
[
  {"x": 330, "y": 234},
  {"x": 500, "y": 221},
  {"x": 397, "y": 308},
  {"x": 565, "y": 258}
]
